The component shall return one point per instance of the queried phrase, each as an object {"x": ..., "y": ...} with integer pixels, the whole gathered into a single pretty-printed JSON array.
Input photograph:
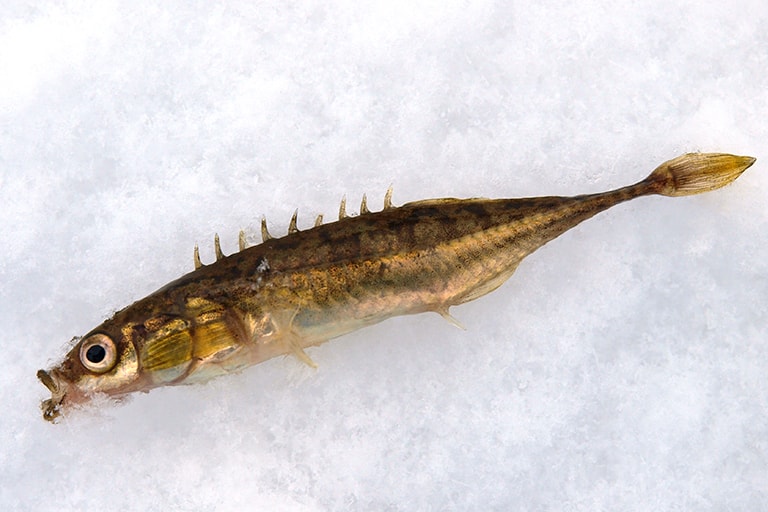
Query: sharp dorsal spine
[
  {"x": 196, "y": 257},
  {"x": 241, "y": 241},
  {"x": 264, "y": 231},
  {"x": 217, "y": 247},
  {"x": 292, "y": 228}
]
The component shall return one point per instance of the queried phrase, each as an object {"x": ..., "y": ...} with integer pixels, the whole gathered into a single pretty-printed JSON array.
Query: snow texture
[{"x": 625, "y": 365}]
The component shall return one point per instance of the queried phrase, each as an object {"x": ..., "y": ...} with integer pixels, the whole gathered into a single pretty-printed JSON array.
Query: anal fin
[
  {"x": 292, "y": 343},
  {"x": 450, "y": 318}
]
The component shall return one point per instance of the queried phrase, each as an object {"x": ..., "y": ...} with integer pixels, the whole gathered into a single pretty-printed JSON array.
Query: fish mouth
[{"x": 51, "y": 407}]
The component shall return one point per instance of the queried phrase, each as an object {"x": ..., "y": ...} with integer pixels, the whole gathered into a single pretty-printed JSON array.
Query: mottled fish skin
[{"x": 305, "y": 288}]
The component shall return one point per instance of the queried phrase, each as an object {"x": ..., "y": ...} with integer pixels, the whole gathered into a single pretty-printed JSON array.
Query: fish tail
[{"x": 694, "y": 173}]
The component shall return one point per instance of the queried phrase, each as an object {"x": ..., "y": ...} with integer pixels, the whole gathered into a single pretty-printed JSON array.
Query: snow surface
[{"x": 624, "y": 367}]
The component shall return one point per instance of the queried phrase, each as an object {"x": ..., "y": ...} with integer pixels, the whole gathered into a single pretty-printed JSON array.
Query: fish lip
[
  {"x": 51, "y": 407},
  {"x": 48, "y": 381}
]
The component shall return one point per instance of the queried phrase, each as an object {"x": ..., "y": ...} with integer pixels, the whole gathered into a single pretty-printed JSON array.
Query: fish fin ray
[
  {"x": 196, "y": 257},
  {"x": 264, "y": 231},
  {"x": 292, "y": 227},
  {"x": 217, "y": 247},
  {"x": 294, "y": 344},
  {"x": 388, "y": 199},
  {"x": 241, "y": 240},
  {"x": 450, "y": 318}
]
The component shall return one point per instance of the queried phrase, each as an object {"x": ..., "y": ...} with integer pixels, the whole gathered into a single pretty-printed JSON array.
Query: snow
[{"x": 623, "y": 367}]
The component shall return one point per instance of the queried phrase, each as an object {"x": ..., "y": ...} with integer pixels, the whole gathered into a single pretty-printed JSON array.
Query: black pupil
[{"x": 95, "y": 354}]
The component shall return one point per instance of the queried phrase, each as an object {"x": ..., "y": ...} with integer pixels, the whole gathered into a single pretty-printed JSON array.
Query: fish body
[{"x": 303, "y": 289}]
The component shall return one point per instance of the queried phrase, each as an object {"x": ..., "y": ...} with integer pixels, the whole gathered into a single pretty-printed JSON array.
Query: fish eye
[{"x": 98, "y": 353}]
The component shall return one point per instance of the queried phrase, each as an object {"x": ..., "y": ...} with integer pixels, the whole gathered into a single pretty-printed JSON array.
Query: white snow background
[{"x": 624, "y": 367}]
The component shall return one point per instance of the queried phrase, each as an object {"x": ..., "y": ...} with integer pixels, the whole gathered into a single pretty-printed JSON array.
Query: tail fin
[{"x": 694, "y": 173}]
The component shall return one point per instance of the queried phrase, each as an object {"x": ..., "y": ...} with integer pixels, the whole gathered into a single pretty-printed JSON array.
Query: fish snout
[{"x": 52, "y": 406}]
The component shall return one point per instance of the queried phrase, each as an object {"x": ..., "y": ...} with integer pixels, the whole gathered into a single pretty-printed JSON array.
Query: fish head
[
  {"x": 100, "y": 362},
  {"x": 141, "y": 347},
  {"x": 154, "y": 342}
]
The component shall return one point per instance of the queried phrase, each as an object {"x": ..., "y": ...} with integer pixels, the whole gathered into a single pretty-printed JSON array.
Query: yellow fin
[
  {"x": 170, "y": 345},
  {"x": 694, "y": 173}
]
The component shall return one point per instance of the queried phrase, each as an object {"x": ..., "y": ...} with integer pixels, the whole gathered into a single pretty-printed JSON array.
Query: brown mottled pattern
[
  {"x": 421, "y": 256},
  {"x": 310, "y": 286}
]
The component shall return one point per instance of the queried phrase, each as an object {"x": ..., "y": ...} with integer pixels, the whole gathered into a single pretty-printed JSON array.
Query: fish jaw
[
  {"x": 71, "y": 384},
  {"x": 51, "y": 406},
  {"x": 67, "y": 394},
  {"x": 63, "y": 395}
]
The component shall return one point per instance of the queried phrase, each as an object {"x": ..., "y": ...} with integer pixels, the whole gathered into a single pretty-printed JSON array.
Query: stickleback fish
[{"x": 300, "y": 290}]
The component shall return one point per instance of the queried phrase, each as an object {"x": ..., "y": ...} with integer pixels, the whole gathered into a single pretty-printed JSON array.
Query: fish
[{"x": 297, "y": 291}]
